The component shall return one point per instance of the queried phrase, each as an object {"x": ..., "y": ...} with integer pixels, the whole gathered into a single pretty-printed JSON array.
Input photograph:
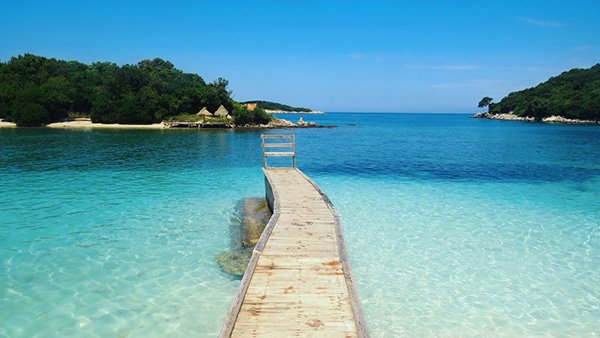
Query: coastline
[
  {"x": 86, "y": 123},
  {"x": 312, "y": 112},
  {"x": 550, "y": 119},
  {"x": 4, "y": 124},
  {"x": 83, "y": 123}
]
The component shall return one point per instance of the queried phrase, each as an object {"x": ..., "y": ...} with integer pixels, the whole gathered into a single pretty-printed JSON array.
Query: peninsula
[
  {"x": 571, "y": 97},
  {"x": 279, "y": 108},
  {"x": 37, "y": 91}
]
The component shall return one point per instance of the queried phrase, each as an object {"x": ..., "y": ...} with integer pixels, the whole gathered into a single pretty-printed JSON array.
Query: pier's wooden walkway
[{"x": 298, "y": 282}]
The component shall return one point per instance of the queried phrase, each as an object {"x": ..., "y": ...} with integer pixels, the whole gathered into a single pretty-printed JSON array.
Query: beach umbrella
[
  {"x": 221, "y": 112},
  {"x": 204, "y": 113}
]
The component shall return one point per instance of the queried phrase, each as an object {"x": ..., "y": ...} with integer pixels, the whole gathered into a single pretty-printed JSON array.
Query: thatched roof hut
[
  {"x": 221, "y": 112},
  {"x": 204, "y": 112}
]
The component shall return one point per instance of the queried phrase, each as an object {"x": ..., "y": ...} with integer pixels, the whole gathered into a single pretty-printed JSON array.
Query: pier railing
[{"x": 278, "y": 142}]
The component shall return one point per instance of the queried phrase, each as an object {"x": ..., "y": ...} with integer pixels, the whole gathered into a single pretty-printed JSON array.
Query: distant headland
[
  {"x": 37, "y": 91},
  {"x": 279, "y": 108},
  {"x": 571, "y": 97}
]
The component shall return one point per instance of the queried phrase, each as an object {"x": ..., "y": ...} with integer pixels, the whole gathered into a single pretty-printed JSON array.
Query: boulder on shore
[
  {"x": 510, "y": 116},
  {"x": 550, "y": 119}
]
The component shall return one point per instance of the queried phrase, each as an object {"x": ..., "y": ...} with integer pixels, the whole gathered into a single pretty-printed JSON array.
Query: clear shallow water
[
  {"x": 455, "y": 226},
  {"x": 114, "y": 233}
]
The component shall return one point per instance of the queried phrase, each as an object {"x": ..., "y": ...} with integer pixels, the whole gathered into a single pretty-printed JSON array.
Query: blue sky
[{"x": 401, "y": 56}]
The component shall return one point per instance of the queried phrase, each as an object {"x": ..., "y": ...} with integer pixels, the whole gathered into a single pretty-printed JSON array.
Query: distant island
[
  {"x": 279, "y": 108},
  {"x": 37, "y": 91},
  {"x": 571, "y": 97}
]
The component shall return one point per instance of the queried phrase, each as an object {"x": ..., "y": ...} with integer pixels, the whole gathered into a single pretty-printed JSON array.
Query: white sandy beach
[
  {"x": 4, "y": 124},
  {"x": 86, "y": 123}
]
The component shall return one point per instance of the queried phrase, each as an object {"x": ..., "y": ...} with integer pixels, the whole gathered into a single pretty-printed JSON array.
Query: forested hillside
[
  {"x": 35, "y": 90},
  {"x": 278, "y": 106},
  {"x": 574, "y": 94}
]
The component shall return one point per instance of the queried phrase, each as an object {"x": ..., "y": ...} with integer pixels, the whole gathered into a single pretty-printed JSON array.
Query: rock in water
[
  {"x": 248, "y": 222},
  {"x": 255, "y": 216},
  {"x": 234, "y": 262}
]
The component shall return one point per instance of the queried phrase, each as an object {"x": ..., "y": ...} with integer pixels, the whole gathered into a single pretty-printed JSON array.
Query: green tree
[
  {"x": 243, "y": 116},
  {"x": 29, "y": 114},
  {"x": 537, "y": 108},
  {"x": 485, "y": 102},
  {"x": 35, "y": 89},
  {"x": 572, "y": 94}
]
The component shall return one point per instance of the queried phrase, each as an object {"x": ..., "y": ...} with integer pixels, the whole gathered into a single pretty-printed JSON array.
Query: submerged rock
[
  {"x": 255, "y": 216},
  {"x": 247, "y": 224},
  {"x": 234, "y": 262}
]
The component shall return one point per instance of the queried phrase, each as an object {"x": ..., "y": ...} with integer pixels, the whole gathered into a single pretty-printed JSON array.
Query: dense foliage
[
  {"x": 35, "y": 90},
  {"x": 243, "y": 115},
  {"x": 278, "y": 106},
  {"x": 574, "y": 94}
]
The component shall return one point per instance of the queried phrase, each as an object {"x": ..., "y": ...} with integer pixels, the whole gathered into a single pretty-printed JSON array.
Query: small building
[{"x": 251, "y": 106}]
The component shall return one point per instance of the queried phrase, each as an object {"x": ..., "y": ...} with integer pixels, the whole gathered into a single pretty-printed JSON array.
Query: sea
[{"x": 455, "y": 227}]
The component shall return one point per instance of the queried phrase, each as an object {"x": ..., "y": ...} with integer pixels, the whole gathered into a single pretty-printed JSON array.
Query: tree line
[
  {"x": 574, "y": 94},
  {"x": 36, "y": 90},
  {"x": 278, "y": 106}
]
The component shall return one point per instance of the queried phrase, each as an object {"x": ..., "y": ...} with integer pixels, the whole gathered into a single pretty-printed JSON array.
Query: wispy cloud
[
  {"x": 467, "y": 84},
  {"x": 582, "y": 48},
  {"x": 527, "y": 68},
  {"x": 357, "y": 56},
  {"x": 541, "y": 23},
  {"x": 446, "y": 67}
]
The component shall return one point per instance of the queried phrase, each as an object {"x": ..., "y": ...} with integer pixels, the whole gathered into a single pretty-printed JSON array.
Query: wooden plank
[
  {"x": 279, "y": 153},
  {"x": 277, "y": 136},
  {"x": 300, "y": 283},
  {"x": 278, "y": 145}
]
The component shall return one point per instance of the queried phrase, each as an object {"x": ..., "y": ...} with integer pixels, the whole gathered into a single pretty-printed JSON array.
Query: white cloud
[{"x": 541, "y": 23}]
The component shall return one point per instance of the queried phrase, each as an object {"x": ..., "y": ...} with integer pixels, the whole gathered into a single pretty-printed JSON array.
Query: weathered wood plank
[
  {"x": 278, "y": 145},
  {"x": 277, "y": 136},
  {"x": 298, "y": 283},
  {"x": 279, "y": 153}
]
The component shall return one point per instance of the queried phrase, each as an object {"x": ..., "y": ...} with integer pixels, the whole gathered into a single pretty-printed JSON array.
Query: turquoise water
[{"x": 455, "y": 226}]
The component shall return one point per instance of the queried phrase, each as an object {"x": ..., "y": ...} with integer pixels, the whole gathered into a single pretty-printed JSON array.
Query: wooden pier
[{"x": 298, "y": 282}]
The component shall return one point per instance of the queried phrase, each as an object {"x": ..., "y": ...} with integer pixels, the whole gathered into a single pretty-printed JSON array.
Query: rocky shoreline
[
  {"x": 84, "y": 123},
  {"x": 513, "y": 117},
  {"x": 282, "y": 123},
  {"x": 293, "y": 112}
]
